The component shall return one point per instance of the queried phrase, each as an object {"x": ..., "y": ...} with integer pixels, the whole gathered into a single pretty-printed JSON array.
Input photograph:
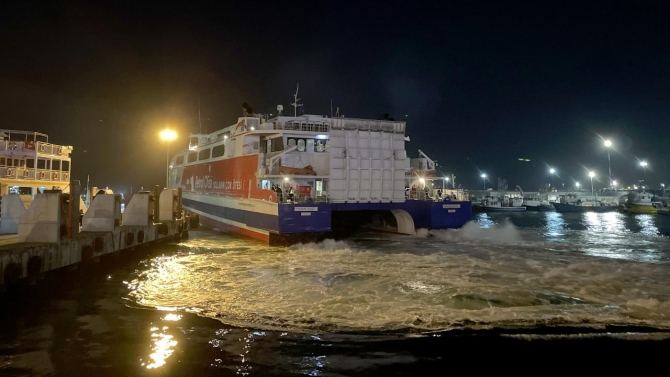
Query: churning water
[{"x": 550, "y": 269}]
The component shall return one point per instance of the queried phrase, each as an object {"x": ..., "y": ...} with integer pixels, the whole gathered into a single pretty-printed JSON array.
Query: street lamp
[
  {"x": 577, "y": 185},
  {"x": 446, "y": 179},
  {"x": 552, "y": 171},
  {"x": 644, "y": 166},
  {"x": 484, "y": 177},
  {"x": 167, "y": 136},
  {"x": 592, "y": 174}
]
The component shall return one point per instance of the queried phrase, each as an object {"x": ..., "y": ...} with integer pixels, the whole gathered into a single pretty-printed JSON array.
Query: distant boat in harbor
[
  {"x": 495, "y": 204},
  {"x": 641, "y": 203},
  {"x": 570, "y": 203},
  {"x": 535, "y": 202}
]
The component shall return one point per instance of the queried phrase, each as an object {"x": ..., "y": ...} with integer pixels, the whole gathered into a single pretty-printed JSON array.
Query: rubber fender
[
  {"x": 130, "y": 238},
  {"x": 86, "y": 252},
  {"x": 194, "y": 220},
  {"x": 34, "y": 266},
  {"x": 13, "y": 273},
  {"x": 98, "y": 244},
  {"x": 162, "y": 228},
  {"x": 140, "y": 236}
]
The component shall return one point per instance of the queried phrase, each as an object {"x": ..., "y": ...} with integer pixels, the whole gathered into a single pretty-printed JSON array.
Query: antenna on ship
[
  {"x": 199, "y": 120},
  {"x": 295, "y": 103}
]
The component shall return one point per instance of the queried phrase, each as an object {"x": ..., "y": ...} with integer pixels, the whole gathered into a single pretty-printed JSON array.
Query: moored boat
[
  {"x": 496, "y": 204},
  {"x": 535, "y": 202},
  {"x": 641, "y": 203},
  {"x": 30, "y": 164},
  {"x": 571, "y": 203}
]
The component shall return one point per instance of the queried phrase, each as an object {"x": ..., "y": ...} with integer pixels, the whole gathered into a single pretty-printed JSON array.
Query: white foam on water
[{"x": 470, "y": 277}]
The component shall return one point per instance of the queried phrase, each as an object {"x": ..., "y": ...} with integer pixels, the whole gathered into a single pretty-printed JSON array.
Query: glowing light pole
[
  {"x": 167, "y": 136},
  {"x": 592, "y": 174},
  {"x": 484, "y": 177},
  {"x": 608, "y": 144},
  {"x": 577, "y": 185},
  {"x": 644, "y": 166},
  {"x": 552, "y": 171}
]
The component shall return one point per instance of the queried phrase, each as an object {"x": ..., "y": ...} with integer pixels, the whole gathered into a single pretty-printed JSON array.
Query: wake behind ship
[{"x": 284, "y": 179}]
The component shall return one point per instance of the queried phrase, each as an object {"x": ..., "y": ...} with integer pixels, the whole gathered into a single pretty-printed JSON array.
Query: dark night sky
[{"x": 482, "y": 83}]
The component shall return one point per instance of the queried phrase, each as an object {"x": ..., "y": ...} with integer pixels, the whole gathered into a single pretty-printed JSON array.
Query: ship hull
[
  {"x": 498, "y": 209},
  {"x": 640, "y": 208}
]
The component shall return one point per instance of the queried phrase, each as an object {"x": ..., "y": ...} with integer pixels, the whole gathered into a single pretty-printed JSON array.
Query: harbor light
[
  {"x": 643, "y": 164},
  {"x": 613, "y": 183},
  {"x": 285, "y": 179},
  {"x": 592, "y": 174},
  {"x": 484, "y": 177},
  {"x": 167, "y": 135},
  {"x": 577, "y": 184},
  {"x": 552, "y": 171}
]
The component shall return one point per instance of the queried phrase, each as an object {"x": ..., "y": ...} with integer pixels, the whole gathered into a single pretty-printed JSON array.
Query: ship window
[
  {"x": 56, "y": 165},
  {"x": 30, "y": 163},
  {"x": 17, "y": 137},
  {"x": 41, "y": 138},
  {"x": 192, "y": 157},
  {"x": 41, "y": 163},
  {"x": 204, "y": 154},
  {"x": 180, "y": 160},
  {"x": 219, "y": 150},
  {"x": 277, "y": 144},
  {"x": 2, "y": 161},
  {"x": 65, "y": 166}
]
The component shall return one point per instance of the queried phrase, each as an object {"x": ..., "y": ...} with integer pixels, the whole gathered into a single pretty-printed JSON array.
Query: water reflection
[
  {"x": 647, "y": 224},
  {"x": 555, "y": 225},
  {"x": 484, "y": 220},
  {"x": 162, "y": 347},
  {"x": 163, "y": 343}
]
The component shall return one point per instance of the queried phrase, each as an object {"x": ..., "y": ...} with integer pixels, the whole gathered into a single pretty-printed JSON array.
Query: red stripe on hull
[{"x": 234, "y": 229}]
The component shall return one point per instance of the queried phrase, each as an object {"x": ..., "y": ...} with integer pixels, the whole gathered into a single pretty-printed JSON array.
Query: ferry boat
[
  {"x": 290, "y": 179},
  {"x": 30, "y": 164}
]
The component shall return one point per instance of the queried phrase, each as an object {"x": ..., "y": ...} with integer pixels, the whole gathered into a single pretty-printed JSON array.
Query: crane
[{"x": 520, "y": 190}]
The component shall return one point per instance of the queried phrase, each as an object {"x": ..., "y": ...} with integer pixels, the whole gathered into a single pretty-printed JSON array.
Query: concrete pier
[{"x": 48, "y": 235}]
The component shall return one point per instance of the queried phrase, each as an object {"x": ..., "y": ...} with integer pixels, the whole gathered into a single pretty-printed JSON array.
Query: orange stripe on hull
[{"x": 234, "y": 229}]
